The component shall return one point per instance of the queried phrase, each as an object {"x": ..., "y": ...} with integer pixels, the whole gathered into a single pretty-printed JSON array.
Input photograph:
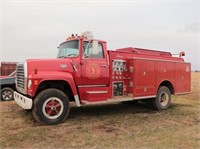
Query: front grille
[{"x": 20, "y": 77}]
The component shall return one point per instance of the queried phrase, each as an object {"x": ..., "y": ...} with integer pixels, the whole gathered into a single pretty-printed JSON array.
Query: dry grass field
[{"x": 108, "y": 126}]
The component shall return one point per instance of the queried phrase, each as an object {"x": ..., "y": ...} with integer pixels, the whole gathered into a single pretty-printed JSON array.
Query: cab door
[{"x": 94, "y": 66}]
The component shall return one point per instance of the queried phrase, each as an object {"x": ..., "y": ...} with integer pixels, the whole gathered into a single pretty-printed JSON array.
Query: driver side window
[{"x": 89, "y": 52}]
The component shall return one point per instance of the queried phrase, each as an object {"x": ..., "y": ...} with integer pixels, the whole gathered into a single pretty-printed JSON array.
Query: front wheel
[
  {"x": 163, "y": 99},
  {"x": 51, "y": 106}
]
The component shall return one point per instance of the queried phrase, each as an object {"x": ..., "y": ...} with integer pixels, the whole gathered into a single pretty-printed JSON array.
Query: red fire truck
[{"x": 85, "y": 72}]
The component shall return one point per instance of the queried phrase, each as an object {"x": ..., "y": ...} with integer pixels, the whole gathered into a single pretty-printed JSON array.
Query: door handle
[{"x": 105, "y": 66}]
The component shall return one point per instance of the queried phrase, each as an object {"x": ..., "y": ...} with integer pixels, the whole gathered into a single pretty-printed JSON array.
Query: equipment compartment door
[
  {"x": 144, "y": 77},
  {"x": 183, "y": 78}
]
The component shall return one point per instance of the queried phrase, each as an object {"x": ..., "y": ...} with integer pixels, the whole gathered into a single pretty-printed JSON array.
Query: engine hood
[{"x": 49, "y": 65}]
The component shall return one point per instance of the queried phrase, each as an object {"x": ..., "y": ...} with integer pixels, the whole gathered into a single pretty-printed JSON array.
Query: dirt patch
[{"x": 9, "y": 106}]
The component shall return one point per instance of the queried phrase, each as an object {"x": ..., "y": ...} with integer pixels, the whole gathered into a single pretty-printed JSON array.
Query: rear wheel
[
  {"x": 163, "y": 99},
  {"x": 7, "y": 94},
  {"x": 51, "y": 106}
]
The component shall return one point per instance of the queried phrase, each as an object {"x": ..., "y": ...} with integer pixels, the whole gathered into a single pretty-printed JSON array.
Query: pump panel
[
  {"x": 119, "y": 65},
  {"x": 118, "y": 88}
]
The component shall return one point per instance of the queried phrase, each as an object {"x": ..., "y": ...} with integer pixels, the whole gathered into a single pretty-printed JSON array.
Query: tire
[
  {"x": 163, "y": 99},
  {"x": 51, "y": 107},
  {"x": 7, "y": 94}
]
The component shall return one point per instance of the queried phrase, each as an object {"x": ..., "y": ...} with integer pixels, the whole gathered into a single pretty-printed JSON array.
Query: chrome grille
[{"x": 20, "y": 77}]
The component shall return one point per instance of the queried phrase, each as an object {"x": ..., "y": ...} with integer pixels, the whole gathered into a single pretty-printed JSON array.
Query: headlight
[{"x": 29, "y": 84}]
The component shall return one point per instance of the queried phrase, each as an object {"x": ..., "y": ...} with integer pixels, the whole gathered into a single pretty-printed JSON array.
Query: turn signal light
[{"x": 36, "y": 82}]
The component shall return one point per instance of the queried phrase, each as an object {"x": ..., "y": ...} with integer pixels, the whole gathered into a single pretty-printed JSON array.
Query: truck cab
[{"x": 89, "y": 60}]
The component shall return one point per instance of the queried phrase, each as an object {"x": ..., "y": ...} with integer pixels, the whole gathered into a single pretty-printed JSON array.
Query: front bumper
[{"x": 23, "y": 101}]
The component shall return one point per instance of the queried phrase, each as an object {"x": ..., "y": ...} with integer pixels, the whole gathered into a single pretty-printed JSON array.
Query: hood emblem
[{"x": 63, "y": 66}]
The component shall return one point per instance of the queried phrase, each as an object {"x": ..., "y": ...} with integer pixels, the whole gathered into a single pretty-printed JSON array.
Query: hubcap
[
  {"x": 52, "y": 108},
  {"x": 7, "y": 95},
  {"x": 164, "y": 99}
]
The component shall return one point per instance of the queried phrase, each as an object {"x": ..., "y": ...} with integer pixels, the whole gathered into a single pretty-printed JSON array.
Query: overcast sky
[{"x": 34, "y": 28}]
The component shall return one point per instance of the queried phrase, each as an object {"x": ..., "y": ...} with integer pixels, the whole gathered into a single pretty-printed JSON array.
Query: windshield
[{"x": 68, "y": 49}]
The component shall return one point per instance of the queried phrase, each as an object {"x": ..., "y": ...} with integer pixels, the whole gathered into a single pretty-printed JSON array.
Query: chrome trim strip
[
  {"x": 73, "y": 65},
  {"x": 91, "y": 85},
  {"x": 26, "y": 77},
  {"x": 97, "y": 92},
  {"x": 25, "y": 69},
  {"x": 144, "y": 97},
  {"x": 77, "y": 101}
]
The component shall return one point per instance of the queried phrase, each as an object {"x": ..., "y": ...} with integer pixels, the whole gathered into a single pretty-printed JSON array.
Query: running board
[
  {"x": 115, "y": 100},
  {"x": 110, "y": 100}
]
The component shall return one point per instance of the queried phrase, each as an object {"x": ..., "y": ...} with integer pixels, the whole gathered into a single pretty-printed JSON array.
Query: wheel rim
[
  {"x": 164, "y": 99},
  {"x": 52, "y": 108},
  {"x": 7, "y": 95}
]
